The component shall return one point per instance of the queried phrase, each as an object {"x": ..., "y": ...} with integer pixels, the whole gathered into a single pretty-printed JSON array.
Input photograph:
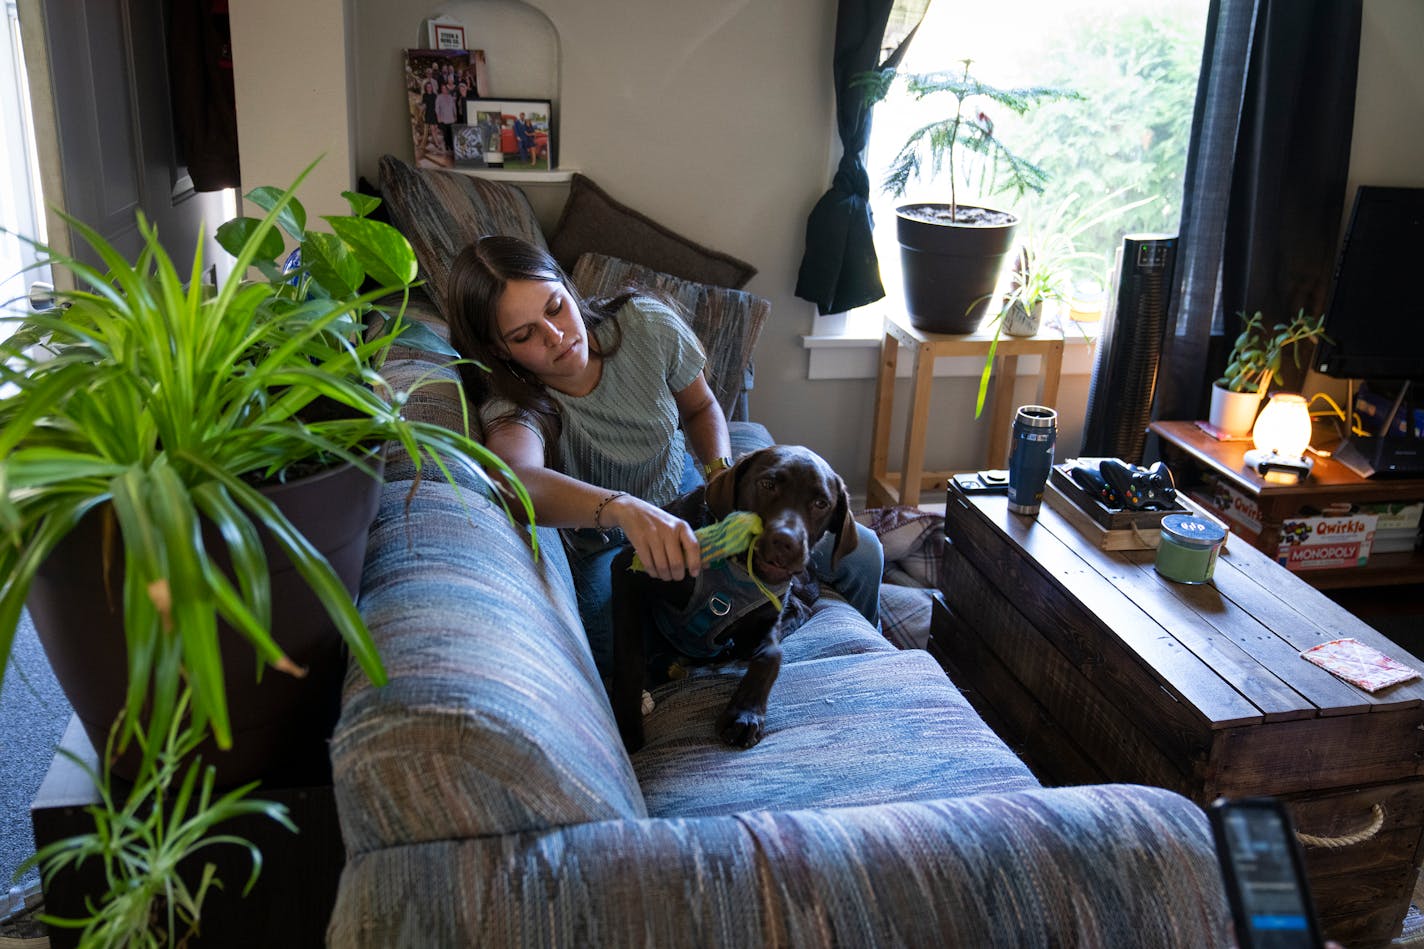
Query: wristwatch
[{"x": 716, "y": 465}]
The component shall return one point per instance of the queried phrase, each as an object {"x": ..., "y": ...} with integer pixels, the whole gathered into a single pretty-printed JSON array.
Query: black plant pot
[
  {"x": 281, "y": 723},
  {"x": 950, "y": 269}
]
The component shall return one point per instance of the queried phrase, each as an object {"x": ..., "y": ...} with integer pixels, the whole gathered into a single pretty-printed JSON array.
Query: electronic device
[
  {"x": 1141, "y": 489},
  {"x": 982, "y": 482},
  {"x": 1375, "y": 332},
  {"x": 1375, "y": 326},
  {"x": 1264, "y": 872},
  {"x": 1129, "y": 345},
  {"x": 1091, "y": 480}
]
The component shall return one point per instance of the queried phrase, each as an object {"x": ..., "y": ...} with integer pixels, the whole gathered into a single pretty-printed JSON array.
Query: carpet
[{"x": 33, "y": 713}]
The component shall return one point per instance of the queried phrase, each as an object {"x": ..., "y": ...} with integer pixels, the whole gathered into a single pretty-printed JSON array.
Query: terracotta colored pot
[
  {"x": 950, "y": 270},
  {"x": 280, "y": 724}
]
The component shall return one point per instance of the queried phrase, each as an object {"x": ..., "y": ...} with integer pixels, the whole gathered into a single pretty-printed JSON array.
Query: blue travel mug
[{"x": 1031, "y": 456}]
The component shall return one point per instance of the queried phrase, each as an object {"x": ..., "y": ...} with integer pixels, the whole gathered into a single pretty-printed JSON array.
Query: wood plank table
[
  {"x": 882, "y": 487},
  {"x": 1096, "y": 668}
]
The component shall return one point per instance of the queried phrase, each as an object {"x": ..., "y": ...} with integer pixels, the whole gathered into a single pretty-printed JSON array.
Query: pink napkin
[{"x": 1359, "y": 664}]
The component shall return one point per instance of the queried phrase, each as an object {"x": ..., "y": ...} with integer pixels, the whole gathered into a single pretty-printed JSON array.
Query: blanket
[{"x": 914, "y": 543}]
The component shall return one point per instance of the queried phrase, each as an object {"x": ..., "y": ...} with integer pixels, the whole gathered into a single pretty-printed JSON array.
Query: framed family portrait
[
  {"x": 515, "y": 133},
  {"x": 438, "y": 83}
]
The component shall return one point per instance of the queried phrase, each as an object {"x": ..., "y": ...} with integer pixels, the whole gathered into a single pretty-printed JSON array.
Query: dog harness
[{"x": 724, "y": 592}]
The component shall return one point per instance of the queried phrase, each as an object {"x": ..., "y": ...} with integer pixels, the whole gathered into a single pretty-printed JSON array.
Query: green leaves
[{"x": 1258, "y": 353}]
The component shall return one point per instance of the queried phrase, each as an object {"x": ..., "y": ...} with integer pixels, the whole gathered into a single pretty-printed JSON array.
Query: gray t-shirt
[{"x": 624, "y": 435}]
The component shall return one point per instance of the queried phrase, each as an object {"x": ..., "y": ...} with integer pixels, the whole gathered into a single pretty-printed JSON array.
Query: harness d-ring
[{"x": 719, "y": 605}]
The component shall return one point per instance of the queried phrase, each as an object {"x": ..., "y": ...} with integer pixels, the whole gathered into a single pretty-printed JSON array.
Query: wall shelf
[{"x": 519, "y": 175}]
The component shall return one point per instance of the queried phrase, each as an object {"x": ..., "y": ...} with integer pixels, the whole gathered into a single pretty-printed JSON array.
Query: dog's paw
[{"x": 740, "y": 727}]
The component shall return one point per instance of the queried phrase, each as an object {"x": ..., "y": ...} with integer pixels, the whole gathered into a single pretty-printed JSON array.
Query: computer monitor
[{"x": 1375, "y": 315}]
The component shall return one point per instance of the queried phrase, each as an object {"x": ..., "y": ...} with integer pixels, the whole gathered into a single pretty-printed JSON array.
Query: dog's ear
[
  {"x": 721, "y": 496},
  {"x": 842, "y": 525}
]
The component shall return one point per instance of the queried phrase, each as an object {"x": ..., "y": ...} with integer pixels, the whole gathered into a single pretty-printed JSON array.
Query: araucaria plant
[
  {"x": 1258, "y": 352},
  {"x": 966, "y": 131}
]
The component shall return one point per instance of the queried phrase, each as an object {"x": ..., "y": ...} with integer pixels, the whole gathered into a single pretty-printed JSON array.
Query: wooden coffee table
[{"x": 1097, "y": 669}]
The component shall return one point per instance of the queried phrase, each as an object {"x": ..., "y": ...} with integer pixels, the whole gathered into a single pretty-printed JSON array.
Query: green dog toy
[{"x": 733, "y": 534}]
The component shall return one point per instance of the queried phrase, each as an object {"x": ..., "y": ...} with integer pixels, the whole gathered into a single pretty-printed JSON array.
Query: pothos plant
[
  {"x": 157, "y": 402},
  {"x": 1259, "y": 351}
]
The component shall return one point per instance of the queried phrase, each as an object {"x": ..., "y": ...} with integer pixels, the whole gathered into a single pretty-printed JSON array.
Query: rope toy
[{"x": 733, "y": 534}]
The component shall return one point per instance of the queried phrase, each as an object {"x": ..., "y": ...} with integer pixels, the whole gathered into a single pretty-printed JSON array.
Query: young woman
[{"x": 602, "y": 410}]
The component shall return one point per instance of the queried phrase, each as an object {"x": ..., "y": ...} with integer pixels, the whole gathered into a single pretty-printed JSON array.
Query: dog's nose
[{"x": 784, "y": 547}]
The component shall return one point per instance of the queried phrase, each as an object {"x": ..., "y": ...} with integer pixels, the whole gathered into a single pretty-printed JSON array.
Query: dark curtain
[
  {"x": 1265, "y": 181},
  {"x": 839, "y": 270}
]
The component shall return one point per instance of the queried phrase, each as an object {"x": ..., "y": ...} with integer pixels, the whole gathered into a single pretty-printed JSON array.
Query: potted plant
[
  {"x": 952, "y": 254},
  {"x": 1257, "y": 357},
  {"x": 1045, "y": 267},
  {"x": 175, "y": 446}
]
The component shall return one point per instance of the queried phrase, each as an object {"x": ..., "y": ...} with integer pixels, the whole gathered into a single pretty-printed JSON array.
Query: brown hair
[{"x": 477, "y": 280}]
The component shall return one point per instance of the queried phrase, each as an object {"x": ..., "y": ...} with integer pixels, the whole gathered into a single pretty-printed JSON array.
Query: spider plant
[{"x": 158, "y": 404}]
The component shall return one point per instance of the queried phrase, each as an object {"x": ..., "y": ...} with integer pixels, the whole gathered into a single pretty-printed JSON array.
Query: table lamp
[{"x": 1281, "y": 436}]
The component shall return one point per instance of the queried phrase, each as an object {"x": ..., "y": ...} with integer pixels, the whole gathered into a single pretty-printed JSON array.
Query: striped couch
[{"x": 485, "y": 798}]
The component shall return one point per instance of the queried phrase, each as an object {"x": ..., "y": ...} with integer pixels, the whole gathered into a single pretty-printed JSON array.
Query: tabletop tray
[{"x": 1112, "y": 519}]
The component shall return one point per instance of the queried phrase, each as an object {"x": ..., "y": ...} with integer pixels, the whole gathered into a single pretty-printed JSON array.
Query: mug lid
[{"x": 1192, "y": 531}]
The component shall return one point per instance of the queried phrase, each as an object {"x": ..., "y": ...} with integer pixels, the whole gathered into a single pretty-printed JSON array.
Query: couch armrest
[{"x": 1107, "y": 865}]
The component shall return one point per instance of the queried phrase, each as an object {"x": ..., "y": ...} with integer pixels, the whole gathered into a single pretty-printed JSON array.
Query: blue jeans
[{"x": 856, "y": 577}]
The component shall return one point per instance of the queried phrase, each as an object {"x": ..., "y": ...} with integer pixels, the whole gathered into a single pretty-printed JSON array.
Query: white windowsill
[{"x": 843, "y": 356}]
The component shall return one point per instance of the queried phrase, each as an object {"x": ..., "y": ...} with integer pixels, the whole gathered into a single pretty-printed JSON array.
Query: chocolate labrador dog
[{"x": 725, "y": 613}]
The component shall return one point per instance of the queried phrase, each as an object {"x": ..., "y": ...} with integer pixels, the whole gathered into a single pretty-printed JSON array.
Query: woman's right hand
[{"x": 666, "y": 544}]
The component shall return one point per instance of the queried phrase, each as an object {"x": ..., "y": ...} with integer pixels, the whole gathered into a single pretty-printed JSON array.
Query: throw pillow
[
  {"x": 440, "y": 212},
  {"x": 726, "y": 321},
  {"x": 592, "y": 222}
]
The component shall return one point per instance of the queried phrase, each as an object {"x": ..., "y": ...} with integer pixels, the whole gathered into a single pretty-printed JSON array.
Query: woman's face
[{"x": 540, "y": 328}]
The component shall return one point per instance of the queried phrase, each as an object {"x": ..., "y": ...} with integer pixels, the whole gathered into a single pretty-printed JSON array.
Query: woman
[{"x": 600, "y": 409}]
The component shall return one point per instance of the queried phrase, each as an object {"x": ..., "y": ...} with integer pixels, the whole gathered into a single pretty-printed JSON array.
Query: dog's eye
[
  {"x": 821, "y": 504},
  {"x": 766, "y": 484}
]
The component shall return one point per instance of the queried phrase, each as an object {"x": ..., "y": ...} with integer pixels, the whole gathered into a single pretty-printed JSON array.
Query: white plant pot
[
  {"x": 1020, "y": 321},
  {"x": 1233, "y": 412}
]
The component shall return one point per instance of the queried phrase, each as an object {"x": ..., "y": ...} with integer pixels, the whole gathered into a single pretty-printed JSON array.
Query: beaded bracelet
[{"x": 602, "y": 504}]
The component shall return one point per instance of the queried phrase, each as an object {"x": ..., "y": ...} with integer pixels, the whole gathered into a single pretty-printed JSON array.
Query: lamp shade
[{"x": 1283, "y": 426}]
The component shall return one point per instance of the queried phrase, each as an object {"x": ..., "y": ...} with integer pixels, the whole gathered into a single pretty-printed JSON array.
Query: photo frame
[
  {"x": 516, "y": 133},
  {"x": 448, "y": 36},
  {"x": 438, "y": 83},
  {"x": 435, "y": 24}
]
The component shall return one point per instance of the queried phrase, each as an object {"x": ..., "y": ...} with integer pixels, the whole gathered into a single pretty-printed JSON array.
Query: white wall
[{"x": 712, "y": 116}]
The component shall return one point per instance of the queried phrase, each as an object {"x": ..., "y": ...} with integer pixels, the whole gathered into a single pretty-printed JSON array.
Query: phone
[
  {"x": 973, "y": 482},
  {"x": 1264, "y": 872}
]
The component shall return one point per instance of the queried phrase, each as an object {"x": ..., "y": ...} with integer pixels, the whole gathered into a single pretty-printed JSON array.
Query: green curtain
[{"x": 839, "y": 269}]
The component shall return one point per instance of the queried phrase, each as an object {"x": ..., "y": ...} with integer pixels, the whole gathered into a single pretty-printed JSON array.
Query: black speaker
[{"x": 1125, "y": 365}]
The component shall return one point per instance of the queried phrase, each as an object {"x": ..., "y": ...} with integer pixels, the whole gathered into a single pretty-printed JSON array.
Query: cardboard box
[
  {"x": 1324, "y": 542},
  {"x": 1395, "y": 515}
]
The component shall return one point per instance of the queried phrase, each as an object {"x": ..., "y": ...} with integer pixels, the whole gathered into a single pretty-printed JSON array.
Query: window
[{"x": 1126, "y": 137}]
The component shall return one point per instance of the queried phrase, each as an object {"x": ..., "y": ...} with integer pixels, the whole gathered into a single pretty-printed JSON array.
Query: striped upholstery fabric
[
  {"x": 727, "y": 322},
  {"x": 1091, "y": 866},
  {"x": 440, "y": 212},
  {"x": 853, "y": 715},
  {"x": 486, "y": 799}
]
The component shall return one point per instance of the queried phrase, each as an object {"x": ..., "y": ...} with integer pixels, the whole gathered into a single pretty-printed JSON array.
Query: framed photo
[
  {"x": 437, "y": 83},
  {"x": 517, "y": 133},
  {"x": 442, "y": 29},
  {"x": 469, "y": 146},
  {"x": 449, "y": 37}
]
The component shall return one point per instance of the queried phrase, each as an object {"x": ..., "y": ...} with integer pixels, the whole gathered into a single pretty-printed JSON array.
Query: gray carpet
[{"x": 33, "y": 713}]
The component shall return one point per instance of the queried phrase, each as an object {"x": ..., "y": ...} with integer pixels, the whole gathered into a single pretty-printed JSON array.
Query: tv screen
[{"x": 1375, "y": 317}]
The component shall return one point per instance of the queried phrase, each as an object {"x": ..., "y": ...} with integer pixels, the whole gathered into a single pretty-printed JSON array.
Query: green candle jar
[{"x": 1188, "y": 548}]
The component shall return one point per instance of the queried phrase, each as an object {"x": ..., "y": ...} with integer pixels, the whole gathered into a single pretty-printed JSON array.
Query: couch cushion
[
  {"x": 593, "y": 222},
  {"x": 440, "y": 212},
  {"x": 494, "y": 718},
  {"x": 866, "y": 728},
  {"x": 727, "y": 322}
]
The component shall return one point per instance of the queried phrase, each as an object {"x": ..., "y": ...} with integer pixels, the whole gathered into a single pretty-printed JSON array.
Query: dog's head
[{"x": 798, "y": 498}]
